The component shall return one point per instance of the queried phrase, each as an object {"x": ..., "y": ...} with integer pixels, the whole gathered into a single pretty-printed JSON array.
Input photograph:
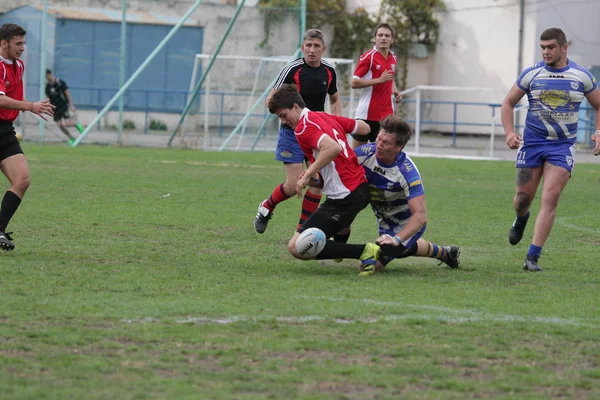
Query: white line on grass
[
  {"x": 441, "y": 314},
  {"x": 563, "y": 222},
  {"x": 388, "y": 318},
  {"x": 471, "y": 315}
]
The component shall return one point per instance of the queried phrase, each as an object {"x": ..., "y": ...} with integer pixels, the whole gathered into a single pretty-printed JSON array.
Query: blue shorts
[
  {"x": 288, "y": 149},
  {"x": 535, "y": 154},
  {"x": 407, "y": 243}
]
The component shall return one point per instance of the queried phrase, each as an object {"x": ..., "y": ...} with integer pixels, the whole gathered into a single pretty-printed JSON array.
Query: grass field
[{"x": 138, "y": 275}]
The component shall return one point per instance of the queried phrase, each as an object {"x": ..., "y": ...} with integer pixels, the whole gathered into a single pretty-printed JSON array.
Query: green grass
[{"x": 138, "y": 274}]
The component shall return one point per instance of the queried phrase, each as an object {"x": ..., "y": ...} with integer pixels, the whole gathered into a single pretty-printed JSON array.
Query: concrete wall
[{"x": 213, "y": 15}]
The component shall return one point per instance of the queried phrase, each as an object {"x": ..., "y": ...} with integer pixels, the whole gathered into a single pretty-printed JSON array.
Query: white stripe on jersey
[
  {"x": 285, "y": 71},
  {"x": 362, "y": 109}
]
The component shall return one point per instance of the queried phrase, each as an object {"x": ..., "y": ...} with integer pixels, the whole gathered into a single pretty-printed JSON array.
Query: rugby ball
[{"x": 310, "y": 242}]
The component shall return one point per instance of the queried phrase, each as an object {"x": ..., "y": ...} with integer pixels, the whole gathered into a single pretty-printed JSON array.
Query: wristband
[{"x": 31, "y": 107}]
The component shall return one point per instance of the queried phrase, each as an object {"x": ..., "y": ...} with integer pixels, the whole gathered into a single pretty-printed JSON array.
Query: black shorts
[
  {"x": 334, "y": 215},
  {"x": 9, "y": 144},
  {"x": 61, "y": 112},
  {"x": 374, "y": 125}
]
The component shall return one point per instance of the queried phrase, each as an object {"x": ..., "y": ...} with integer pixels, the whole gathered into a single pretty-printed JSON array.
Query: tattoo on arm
[{"x": 524, "y": 176}]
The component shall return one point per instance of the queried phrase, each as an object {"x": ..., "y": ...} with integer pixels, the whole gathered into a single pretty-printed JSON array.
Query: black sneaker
[
  {"x": 262, "y": 218},
  {"x": 6, "y": 243},
  {"x": 531, "y": 265},
  {"x": 515, "y": 234},
  {"x": 453, "y": 256}
]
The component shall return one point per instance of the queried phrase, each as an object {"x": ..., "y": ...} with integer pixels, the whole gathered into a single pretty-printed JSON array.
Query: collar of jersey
[
  {"x": 4, "y": 60},
  {"x": 397, "y": 161},
  {"x": 559, "y": 69}
]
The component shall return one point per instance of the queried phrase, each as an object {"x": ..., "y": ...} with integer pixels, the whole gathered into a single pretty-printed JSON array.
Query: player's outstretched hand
[
  {"x": 596, "y": 140},
  {"x": 302, "y": 183},
  {"x": 42, "y": 108},
  {"x": 513, "y": 141}
]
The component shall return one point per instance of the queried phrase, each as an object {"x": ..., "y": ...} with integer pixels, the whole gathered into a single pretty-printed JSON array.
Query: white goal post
[{"x": 230, "y": 92}]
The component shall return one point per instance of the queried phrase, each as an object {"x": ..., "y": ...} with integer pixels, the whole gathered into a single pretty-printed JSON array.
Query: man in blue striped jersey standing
[{"x": 555, "y": 88}]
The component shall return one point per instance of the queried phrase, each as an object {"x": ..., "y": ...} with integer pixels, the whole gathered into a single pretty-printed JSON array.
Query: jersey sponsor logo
[
  {"x": 285, "y": 154},
  {"x": 378, "y": 67},
  {"x": 555, "y": 76},
  {"x": 575, "y": 85},
  {"x": 390, "y": 185},
  {"x": 555, "y": 98},
  {"x": 379, "y": 170}
]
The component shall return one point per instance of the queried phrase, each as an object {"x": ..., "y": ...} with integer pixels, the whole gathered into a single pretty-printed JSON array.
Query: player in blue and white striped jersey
[
  {"x": 398, "y": 198},
  {"x": 555, "y": 88}
]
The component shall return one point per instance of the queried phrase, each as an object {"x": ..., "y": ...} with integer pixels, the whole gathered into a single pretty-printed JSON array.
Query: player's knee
[
  {"x": 22, "y": 183},
  {"x": 550, "y": 199}
]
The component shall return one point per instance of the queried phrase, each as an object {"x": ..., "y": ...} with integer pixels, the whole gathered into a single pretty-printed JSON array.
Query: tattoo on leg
[{"x": 524, "y": 175}]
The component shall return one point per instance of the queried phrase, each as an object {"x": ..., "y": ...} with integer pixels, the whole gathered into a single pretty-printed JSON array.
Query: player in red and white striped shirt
[
  {"x": 374, "y": 74},
  {"x": 322, "y": 138},
  {"x": 12, "y": 160}
]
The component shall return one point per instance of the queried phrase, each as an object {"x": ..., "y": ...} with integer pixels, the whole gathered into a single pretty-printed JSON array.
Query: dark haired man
[
  {"x": 322, "y": 138},
  {"x": 374, "y": 74},
  {"x": 314, "y": 79},
  {"x": 555, "y": 88},
  {"x": 12, "y": 160},
  {"x": 60, "y": 97}
]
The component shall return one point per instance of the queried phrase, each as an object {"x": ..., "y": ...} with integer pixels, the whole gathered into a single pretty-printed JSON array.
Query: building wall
[{"x": 212, "y": 15}]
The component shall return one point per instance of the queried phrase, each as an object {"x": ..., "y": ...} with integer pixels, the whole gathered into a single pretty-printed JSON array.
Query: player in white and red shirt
[
  {"x": 322, "y": 138},
  {"x": 12, "y": 160},
  {"x": 374, "y": 74}
]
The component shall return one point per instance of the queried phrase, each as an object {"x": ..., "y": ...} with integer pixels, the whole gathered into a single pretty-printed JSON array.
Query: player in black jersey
[
  {"x": 58, "y": 93},
  {"x": 314, "y": 78}
]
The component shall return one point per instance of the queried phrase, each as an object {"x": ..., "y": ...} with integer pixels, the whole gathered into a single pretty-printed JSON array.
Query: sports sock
[
  {"x": 534, "y": 251},
  {"x": 310, "y": 203},
  {"x": 523, "y": 219},
  {"x": 10, "y": 203},
  {"x": 276, "y": 197},
  {"x": 435, "y": 251},
  {"x": 333, "y": 250}
]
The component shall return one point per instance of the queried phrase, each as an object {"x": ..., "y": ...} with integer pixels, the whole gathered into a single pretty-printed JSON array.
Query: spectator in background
[{"x": 58, "y": 93}]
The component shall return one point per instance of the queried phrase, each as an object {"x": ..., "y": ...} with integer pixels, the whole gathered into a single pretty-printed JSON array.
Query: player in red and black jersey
[
  {"x": 374, "y": 74},
  {"x": 314, "y": 78},
  {"x": 322, "y": 138},
  {"x": 12, "y": 160}
]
